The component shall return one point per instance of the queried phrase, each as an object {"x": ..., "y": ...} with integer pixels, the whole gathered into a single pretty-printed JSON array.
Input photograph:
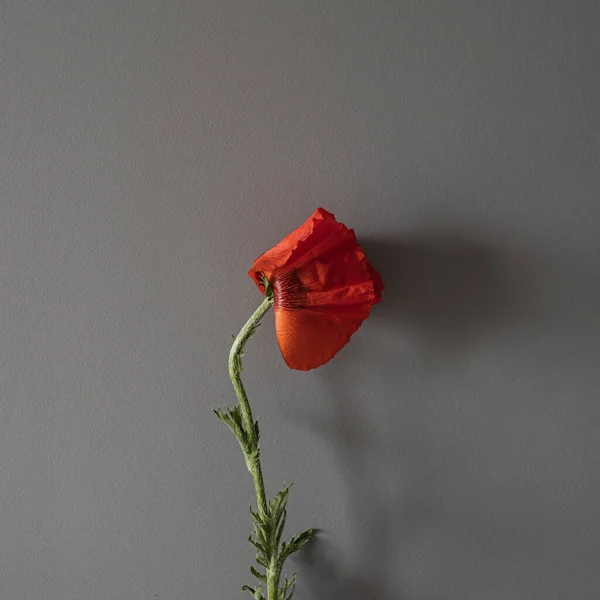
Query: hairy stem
[
  {"x": 235, "y": 373},
  {"x": 273, "y": 576},
  {"x": 269, "y": 520}
]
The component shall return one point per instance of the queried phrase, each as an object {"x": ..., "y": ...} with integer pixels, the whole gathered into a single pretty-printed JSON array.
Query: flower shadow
[{"x": 449, "y": 291}]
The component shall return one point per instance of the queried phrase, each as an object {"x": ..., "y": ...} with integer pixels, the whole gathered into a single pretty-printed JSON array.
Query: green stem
[
  {"x": 269, "y": 520},
  {"x": 273, "y": 575},
  {"x": 235, "y": 373}
]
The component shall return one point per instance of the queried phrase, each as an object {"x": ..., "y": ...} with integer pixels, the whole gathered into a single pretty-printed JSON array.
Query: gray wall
[{"x": 151, "y": 149}]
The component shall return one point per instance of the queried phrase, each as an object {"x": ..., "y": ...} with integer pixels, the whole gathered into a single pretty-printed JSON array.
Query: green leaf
[
  {"x": 278, "y": 504},
  {"x": 255, "y": 592},
  {"x": 233, "y": 419},
  {"x": 298, "y": 541},
  {"x": 256, "y": 544},
  {"x": 295, "y": 544},
  {"x": 289, "y": 584},
  {"x": 262, "y": 562},
  {"x": 258, "y": 575},
  {"x": 256, "y": 516},
  {"x": 236, "y": 416},
  {"x": 260, "y": 529},
  {"x": 220, "y": 414}
]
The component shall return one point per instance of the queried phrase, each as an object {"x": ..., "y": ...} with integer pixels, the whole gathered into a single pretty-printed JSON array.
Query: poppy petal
[
  {"x": 319, "y": 307},
  {"x": 309, "y": 338},
  {"x": 294, "y": 245}
]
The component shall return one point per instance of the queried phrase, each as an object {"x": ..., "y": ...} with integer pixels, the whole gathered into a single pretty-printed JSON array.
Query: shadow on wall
[{"x": 450, "y": 290}]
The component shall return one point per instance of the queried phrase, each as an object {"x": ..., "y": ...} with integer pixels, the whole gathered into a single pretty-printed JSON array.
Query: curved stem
[
  {"x": 269, "y": 520},
  {"x": 235, "y": 372}
]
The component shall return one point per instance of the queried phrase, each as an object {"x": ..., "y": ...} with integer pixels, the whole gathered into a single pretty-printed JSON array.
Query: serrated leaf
[
  {"x": 298, "y": 541},
  {"x": 256, "y": 593},
  {"x": 232, "y": 418},
  {"x": 278, "y": 504},
  {"x": 236, "y": 416},
  {"x": 258, "y": 575},
  {"x": 260, "y": 533},
  {"x": 289, "y": 581},
  {"x": 289, "y": 596},
  {"x": 295, "y": 544},
  {"x": 289, "y": 584},
  {"x": 256, "y": 544},
  {"x": 256, "y": 516}
]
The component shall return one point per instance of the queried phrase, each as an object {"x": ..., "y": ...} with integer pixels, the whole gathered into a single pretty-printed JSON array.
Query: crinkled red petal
[{"x": 323, "y": 287}]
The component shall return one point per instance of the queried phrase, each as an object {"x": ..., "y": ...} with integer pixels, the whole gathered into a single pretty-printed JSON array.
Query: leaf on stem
[
  {"x": 256, "y": 593},
  {"x": 260, "y": 576},
  {"x": 295, "y": 543},
  {"x": 232, "y": 417},
  {"x": 288, "y": 584}
]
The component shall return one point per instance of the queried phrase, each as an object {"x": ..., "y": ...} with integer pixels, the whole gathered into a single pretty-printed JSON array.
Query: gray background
[{"x": 151, "y": 150}]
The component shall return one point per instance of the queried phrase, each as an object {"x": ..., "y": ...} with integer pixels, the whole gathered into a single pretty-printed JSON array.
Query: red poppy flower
[{"x": 323, "y": 289}]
